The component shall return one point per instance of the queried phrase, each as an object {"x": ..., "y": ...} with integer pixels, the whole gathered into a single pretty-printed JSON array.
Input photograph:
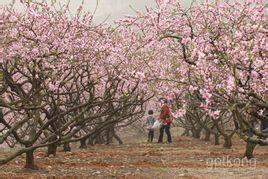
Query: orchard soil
[{"x": 184, "y": 158}]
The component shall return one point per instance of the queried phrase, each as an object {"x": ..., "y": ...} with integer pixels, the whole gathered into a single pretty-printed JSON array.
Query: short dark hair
[
  {"x": 164, "y": 100},
  {"x": 150, "y": 112}
]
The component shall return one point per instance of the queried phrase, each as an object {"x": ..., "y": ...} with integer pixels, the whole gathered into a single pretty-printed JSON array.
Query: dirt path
[{"x": 186, "y": 157}]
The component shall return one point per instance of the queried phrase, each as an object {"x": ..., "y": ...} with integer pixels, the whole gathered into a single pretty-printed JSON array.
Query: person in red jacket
[{"x": 165, "y": 117}]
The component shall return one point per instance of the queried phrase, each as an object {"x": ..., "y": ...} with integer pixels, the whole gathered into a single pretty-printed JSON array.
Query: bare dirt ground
[{"x": 184, "y": 158}]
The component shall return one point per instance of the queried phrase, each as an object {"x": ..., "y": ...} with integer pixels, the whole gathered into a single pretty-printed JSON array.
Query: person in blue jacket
[{"x": 150, "y": 122}]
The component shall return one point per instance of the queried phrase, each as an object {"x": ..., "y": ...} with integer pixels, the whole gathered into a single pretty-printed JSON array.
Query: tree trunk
[
  {"x": 196, "y": 134},
  {"x": 83, "y": 144},
  {"x": 30, "y": 160},
  {"x": 90, "y": 141},
  {"x": 117, "y": 138},
  {"x": 109, "y": 136},
  {"x": 217, "y": 139},
  {"x": 102, "y": 139},
  {"x": 249, "y": 150},
  {"x": 186, "y": 133},
  {"x": 66, "y": 147},
  {"x": 98, "y": 139},
  {"x": 52, "y": 148},
  {"x": 207, "y": 136},
  {"x": 227, "y": 142}
]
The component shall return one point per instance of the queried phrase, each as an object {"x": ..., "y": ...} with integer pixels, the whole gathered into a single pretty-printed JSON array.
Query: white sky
[{"x": 114, "y": 9}]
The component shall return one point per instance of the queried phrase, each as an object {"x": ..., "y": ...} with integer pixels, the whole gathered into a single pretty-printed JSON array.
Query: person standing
[
  {"x": 165, "y": 117},
  {"x": 150, "y": 122},
  {"x": 264, "y": 122}
]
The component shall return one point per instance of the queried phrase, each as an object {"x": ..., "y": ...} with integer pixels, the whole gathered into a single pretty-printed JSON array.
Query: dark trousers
[
  {"x": 167, "y": 130},
  {"x": 150, "y": 135}
]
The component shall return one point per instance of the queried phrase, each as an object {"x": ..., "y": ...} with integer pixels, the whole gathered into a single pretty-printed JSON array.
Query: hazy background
[{"x": 111, "y": 9}]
